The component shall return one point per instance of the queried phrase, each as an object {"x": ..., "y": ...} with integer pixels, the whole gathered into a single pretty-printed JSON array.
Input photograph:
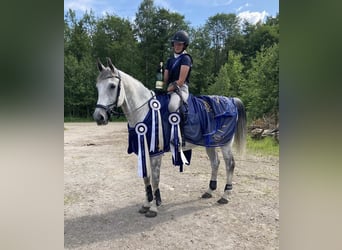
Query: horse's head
[{"x": 110, "y": 92}]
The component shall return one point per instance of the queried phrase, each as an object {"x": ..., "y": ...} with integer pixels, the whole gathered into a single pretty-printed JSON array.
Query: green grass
[{"x": 266, "y": 146}]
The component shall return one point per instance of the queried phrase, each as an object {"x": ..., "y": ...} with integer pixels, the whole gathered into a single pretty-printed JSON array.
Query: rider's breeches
[{"x": 175, "y": 100}]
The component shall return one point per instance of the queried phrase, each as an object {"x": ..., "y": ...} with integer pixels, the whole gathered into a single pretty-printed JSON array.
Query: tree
[
  {"x": 259, "y": 36},
  {"x": 201, "y": 73},
  {"x": 77, "y": 35},
  {"x": 230, "y": 79},
  {"x": 79, "y": 70},
  {"x": 261, "y": 90},
  {"x": 220, "y": 27},
  {"x": 114, "y": 38}
]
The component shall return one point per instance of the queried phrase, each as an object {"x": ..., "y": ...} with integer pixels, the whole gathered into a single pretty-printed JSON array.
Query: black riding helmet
[{"x": 181, "y": 36}]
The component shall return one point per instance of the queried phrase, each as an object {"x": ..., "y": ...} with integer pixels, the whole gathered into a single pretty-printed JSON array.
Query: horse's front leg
[
  {"x": 149, "y": 196},
  {"x": 155, "y": 167},
  {"x": 153, "y": 198}
]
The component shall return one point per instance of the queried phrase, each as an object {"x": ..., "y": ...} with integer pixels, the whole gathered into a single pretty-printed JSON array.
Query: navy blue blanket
[{"x": 210, "y": 121}]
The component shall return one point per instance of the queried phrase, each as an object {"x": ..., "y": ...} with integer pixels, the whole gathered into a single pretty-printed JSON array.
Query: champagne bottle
[{"x": 159, "y": 77}]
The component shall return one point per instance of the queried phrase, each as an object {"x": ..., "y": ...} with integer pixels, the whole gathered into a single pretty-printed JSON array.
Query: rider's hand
[{"x": 172, "y": 86}]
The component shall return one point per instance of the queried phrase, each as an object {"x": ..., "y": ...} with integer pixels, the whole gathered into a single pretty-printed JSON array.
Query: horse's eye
[{"x": 112, "y": 86}]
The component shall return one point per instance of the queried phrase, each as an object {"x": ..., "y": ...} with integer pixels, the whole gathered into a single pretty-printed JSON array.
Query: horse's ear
[
  {"x": 100, "y": 65},
  {"x": 110, "y": 64}
]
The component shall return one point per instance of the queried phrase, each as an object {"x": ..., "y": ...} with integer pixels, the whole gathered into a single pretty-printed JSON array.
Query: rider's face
[{"x": 178, "y": 46}]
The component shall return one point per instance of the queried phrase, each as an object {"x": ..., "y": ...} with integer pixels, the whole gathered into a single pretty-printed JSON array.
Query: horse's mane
[{"x": 132, "y": 79}]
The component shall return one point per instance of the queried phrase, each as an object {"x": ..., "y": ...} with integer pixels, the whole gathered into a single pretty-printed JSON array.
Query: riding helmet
[{"x": 180, "y": 36}]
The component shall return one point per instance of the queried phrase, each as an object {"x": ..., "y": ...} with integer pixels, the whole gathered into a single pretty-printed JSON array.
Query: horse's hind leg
[
  {"x": 230, "y": 165},
  {"x": 214, "y": 162}
]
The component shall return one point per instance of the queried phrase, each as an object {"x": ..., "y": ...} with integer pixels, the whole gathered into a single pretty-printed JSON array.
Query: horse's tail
[{"x": 240, "y": 137}]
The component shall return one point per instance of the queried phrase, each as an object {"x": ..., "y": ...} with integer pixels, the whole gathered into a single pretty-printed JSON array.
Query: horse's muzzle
[{"x": 100, "y": 116}]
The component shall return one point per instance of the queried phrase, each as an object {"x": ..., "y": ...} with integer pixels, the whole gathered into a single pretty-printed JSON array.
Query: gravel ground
[{"x": 103, "y": 193}]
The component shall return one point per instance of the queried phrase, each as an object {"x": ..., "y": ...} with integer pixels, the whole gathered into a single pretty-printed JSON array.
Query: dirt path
[{"x": 103, "y": 194}]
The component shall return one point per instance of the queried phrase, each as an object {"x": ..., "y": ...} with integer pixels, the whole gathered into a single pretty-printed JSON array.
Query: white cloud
[
  {"x": 81, "y": 5},
  {"x": 242, "y": 7},
  {"x": 253, "y": 17}
]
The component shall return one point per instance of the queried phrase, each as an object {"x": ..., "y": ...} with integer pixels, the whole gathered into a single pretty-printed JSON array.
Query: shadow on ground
[{"x": 120, "y": 222}]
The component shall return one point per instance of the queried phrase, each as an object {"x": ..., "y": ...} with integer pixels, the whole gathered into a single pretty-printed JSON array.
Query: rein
[{"x": 110, "y": 107}]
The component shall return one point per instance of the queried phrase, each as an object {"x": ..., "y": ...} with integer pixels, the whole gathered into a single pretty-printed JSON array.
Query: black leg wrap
[
  {"x": 149, "y": 194},
  {"x": 228, "y": 187},
  {"x": 213, "y": 185},
  {"x": 157, "y": 197}
]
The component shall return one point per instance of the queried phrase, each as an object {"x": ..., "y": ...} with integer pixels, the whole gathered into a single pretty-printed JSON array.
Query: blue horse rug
[{"x": 209, "y": 121}]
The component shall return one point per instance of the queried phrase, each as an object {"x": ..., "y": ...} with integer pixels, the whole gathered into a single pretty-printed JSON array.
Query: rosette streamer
[
  {"x": 176, "y": 138},
  {"x": 156, "y": 126},
  {"x": 143, "y": 154}
]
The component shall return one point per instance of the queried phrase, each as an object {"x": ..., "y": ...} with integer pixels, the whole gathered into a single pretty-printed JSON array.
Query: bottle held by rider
[{"x": 159, "y": 77}]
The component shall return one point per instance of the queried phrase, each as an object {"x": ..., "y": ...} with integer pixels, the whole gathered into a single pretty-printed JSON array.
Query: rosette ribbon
[
  {"x": 156, "y": 127},
  {"x": 143, "y": 154},
  {"x": 176, "y": 138}
]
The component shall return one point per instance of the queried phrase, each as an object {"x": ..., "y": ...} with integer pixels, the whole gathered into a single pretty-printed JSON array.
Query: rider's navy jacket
[{"x": 173, "y": 65}]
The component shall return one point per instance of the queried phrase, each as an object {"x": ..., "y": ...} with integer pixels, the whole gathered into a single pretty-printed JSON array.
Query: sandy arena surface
[{"x": 103, "y": 193}]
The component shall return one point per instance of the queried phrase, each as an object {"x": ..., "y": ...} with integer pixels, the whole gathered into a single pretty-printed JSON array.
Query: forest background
[{"x": 231, "y": 57}]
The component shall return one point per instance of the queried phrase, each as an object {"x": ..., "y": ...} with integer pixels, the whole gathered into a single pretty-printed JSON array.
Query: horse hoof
[
  {"x": 150, "y": 214},
  {"x": 222, "y": 201},
  {"x": 144, "y": 210},
  {"x": 206, "y": 195}
]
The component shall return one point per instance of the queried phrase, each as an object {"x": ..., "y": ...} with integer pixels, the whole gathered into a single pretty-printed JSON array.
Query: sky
[{"x": 196, "y": 12}]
